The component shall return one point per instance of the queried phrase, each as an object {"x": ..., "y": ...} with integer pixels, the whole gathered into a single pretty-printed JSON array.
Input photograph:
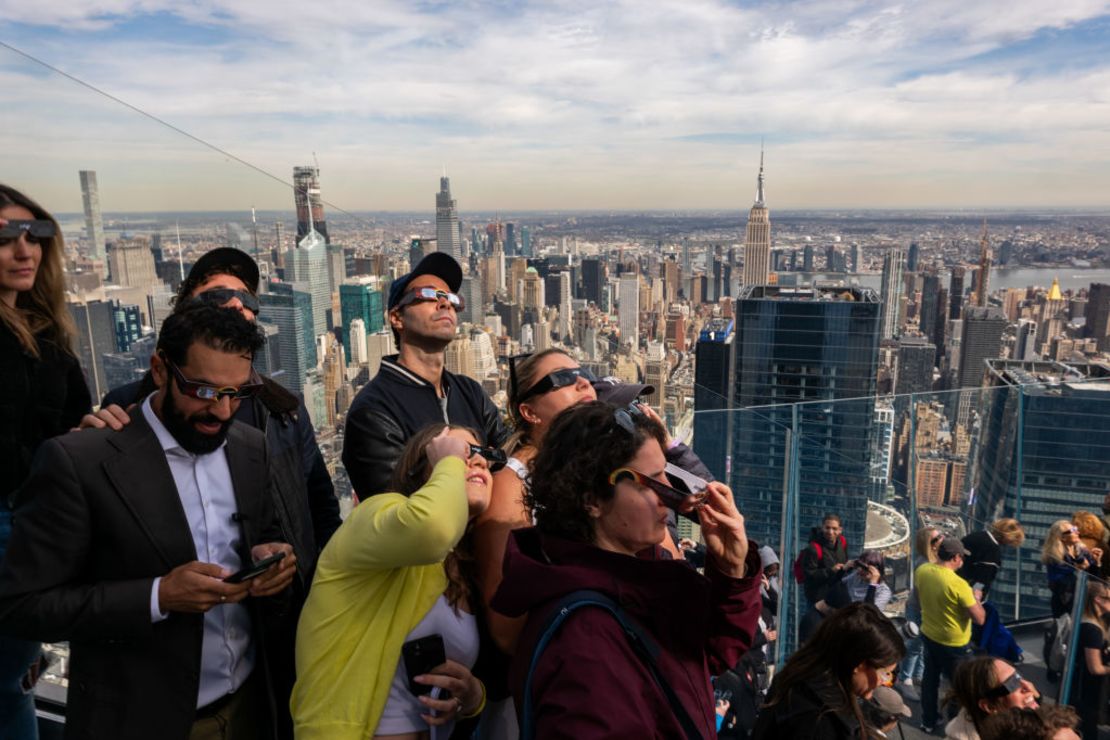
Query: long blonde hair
[
  {"x": 1095, "y": 589},
  {"x": 1053, "y": 551},
  {"x": 923, "y": 543},
  {"x": 42, "y": 309}
]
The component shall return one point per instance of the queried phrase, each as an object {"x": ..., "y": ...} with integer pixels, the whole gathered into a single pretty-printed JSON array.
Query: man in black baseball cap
[{"x": 413, "y": 388}]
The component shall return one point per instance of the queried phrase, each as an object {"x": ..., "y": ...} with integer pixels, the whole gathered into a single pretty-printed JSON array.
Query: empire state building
[{"x": 757, "y": 241}]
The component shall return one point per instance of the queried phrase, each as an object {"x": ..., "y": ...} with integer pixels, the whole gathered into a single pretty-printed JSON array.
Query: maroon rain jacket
[{"x": 590, "y": 683}]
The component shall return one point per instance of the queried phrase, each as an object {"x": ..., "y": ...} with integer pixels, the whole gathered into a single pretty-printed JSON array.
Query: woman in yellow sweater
[{"x": 392, "y": 574}]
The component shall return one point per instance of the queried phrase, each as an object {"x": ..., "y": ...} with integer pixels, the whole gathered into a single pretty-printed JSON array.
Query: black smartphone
[
  {"x": 421, "y": 656},
  {"x": 254, "y": 569}
]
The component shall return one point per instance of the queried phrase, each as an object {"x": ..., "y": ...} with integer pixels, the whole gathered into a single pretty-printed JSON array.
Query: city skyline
[{"x": 618, "y": 107}]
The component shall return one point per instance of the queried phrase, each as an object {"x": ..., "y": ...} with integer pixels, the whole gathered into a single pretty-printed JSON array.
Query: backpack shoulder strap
[
  {"x": 645, "y": 647},
  {"x": 817, "y": 549}
]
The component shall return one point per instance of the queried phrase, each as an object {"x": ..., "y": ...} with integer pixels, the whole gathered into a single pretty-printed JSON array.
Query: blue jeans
[
  {"x": 17, "y": 700},
  {"x": 939, "y": 659}
]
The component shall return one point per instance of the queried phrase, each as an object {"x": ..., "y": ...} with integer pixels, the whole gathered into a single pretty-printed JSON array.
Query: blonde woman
[
  {"x": 42, "y": 393},
  {"x": 1062, "y": 555},
  {"x": 1091, "y": 668},
  {"x": 925, "y": 546},
  {"x": 985, "y": 561}
]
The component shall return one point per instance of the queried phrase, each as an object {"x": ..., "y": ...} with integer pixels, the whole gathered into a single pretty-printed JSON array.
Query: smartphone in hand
[
  {"x": 421, "y": 656},
  {"x": 254, "y": 569}
]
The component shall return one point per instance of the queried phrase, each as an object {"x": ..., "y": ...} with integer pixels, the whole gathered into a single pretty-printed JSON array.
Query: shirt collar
[{"x": 165, "y": 438}]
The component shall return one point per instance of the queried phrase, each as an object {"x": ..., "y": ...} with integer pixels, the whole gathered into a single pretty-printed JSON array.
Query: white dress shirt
[{"x": 208, "y": 498}]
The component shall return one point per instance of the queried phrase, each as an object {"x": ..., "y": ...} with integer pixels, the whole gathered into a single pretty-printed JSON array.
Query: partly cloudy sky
[{"x": 638, "y": 104}]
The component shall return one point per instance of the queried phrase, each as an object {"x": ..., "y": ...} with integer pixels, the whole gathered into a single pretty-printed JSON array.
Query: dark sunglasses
[
  {"x": 206, "y": 392},
  {"x": 671, "y": 497},
  {"x": 1007, "y": 687},
  {"x": 220, "y": 296},
  {"x": 38, "y": 231},
  {"x": 495, "y": 457},
  {"x": 431, "y": 294},
  {"x": 937, "y": 540},
  {"x": 554, "y": 381}
]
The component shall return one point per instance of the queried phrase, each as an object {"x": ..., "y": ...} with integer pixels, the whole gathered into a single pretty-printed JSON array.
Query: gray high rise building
[
  {"x": 307, "y": 266},
  {"x": 94, "y": 224},
  {"x": 291, "y": 311},
  {"x": 915, "y": 365},
  {"x": 981, "y": 339},
  {"x": 310, "y": 204},
  {"x": 757, "y": 239},
  {"x": 817, "y": 348},
  {"x": 132, "y": 263},
  {"x": 95, "y": 322},
  {"x": 956, "y": 293},
  {"x": 892, "y": 291},
  {"x": 447, "y": 221},
  {"x": 713, "y": 383},
  {"x": 1098, "y": 315}
]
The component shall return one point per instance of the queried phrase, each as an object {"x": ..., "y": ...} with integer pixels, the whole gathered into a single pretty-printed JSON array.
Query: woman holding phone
[
  {"x": 598, "y": 490},
  {"x": 395, "y": 576},
  {"x": 42, "y": 394}
]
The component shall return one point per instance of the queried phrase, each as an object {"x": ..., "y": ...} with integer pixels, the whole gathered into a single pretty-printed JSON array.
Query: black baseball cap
[
  {"x": 950, "y": 547},
  {"x": 612, "y": 390},
  {"x": 440, "y": 264},
  {"x": 223, "y": 259}
]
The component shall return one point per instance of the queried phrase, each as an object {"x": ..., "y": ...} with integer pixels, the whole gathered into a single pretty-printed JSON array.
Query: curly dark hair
[
  {"x": 584, "y": 445},
  {"x": 409, "y": 475},
  {"x": 218, "y": 328}
]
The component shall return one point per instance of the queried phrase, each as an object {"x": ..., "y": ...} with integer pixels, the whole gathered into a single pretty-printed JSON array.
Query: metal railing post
[{"x": 1072, "y": 660}]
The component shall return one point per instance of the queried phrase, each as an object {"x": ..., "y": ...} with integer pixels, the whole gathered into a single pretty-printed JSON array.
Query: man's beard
[{"x": 182, "y": 429}]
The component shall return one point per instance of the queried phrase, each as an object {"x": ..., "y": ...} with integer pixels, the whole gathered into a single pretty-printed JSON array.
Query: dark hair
[
  {"x": 833, "y": 518},
  {"x": 218, "y": 328},
  {"x": 1058, "y": 717},
  {"x": 522, "y": 376},
  {"x": 874, "y": 558},
  {"x": 584, "y": 445},
  {"x": 972, "y": 682},
  {"x": 1014, "y": 724},
  {"x": 858, "y": 633},
  {"x": 409, "y": 475}
]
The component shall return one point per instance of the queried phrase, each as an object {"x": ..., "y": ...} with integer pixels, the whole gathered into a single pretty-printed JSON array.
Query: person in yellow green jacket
[{"x": 397, "y": 571}]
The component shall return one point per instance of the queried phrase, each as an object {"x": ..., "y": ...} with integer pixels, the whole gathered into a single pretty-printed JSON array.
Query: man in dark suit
[{"x": 123, "y": 539}]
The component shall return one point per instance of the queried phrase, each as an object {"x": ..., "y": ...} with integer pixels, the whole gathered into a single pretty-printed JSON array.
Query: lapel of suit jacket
[
  {"x": 249, "y": 473},
  {"x": 142, "y": 478}
]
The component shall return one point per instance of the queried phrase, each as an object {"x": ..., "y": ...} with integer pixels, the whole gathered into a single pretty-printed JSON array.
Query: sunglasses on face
[
  {"x": 37, "y": 231},
  {"x": 418, "y": 295},
  {"x": 1007, "y": 687},
  {"x": 558, "y": 379},
  {"x": 206, "y": 392},
  {"x": 219, "y": 297},
  {"x": 494, "y": 457},
  {"x": 671, "y": 497}
]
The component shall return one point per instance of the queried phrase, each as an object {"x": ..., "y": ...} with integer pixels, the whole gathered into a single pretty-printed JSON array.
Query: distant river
[{"x": 1013, "y": 277}]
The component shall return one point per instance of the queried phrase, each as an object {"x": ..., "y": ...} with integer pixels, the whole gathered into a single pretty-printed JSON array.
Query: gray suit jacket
[{"x": 102, "y": 520}]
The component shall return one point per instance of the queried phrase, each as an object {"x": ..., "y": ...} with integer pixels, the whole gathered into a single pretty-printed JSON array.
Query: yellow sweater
[{"x": 380, "y": 573}]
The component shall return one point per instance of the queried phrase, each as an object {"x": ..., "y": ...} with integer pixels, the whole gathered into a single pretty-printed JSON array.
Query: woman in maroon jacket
[{"x": 596, "y": 488}]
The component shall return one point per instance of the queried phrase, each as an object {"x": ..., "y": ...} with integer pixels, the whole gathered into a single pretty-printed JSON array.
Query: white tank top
[{"x": 460, "y": 641}]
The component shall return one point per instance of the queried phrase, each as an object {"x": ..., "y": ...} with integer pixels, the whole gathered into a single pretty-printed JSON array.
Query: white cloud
[{"x": 590, "y": 96}]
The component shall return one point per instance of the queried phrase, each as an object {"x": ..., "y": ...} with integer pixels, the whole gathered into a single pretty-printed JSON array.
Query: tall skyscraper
[
  {"x": 757, "y": 239},
  {"x": 981, "y": 340},
  {"x": 1098, "y": 315},
  {"x": 912, "y": 257},
  {"x": 915, "y": 365},
  {"x": 629, "y": 309},
  {"x": 1041, "y": 457},
  {"x": 983, "y": 281},
  {"x": 307, "y": 265},
  {"x": 798, "y": 345},
  {"x": 713, "y": 384},
  {"x": 95, "y": 337},
  {"x": 447, "y": 221},
  {"x": 593, "y": 279},
  {"x": 927, "y": 311},
  {"x": 310, "y": 205},
  {"x": 956, "y": 293},
  {"x": 94, "y": 224},
  {"x": 290, "y": 310},
  {"x": 892, "y": 290}
]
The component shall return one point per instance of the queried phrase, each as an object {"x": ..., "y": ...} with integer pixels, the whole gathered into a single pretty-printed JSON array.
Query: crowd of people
[{"x": 499, "y": 577}]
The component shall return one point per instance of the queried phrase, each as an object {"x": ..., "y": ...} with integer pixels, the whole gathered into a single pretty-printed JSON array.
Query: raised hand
[{"x": 722, "y": 527}]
